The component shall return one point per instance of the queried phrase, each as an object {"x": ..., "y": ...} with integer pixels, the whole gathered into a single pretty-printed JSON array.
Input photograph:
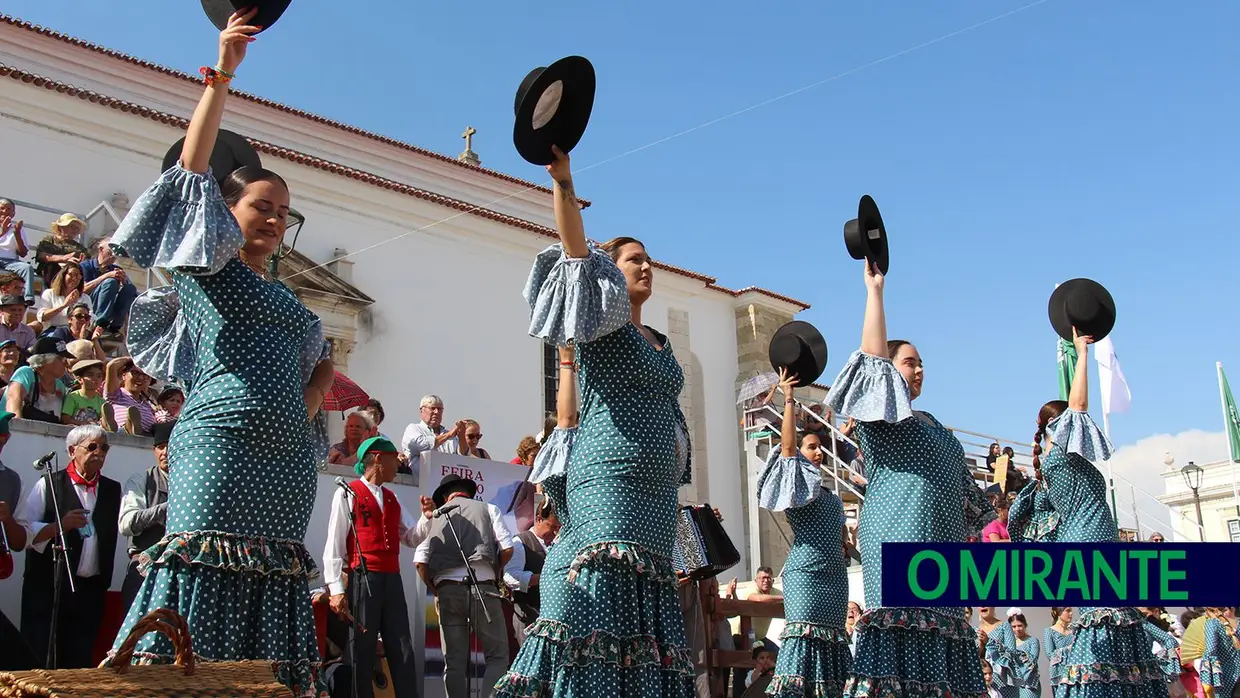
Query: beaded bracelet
[{"x": 216, "y": 76}]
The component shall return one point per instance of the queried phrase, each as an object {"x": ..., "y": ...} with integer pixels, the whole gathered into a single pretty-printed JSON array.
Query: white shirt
[
  {"x": 483, "y": 571},
  {"x": 8, "y": 243},
  {"x": 419, "y": 438},
  {"x": 335, "y": 550},
  {"x": 515, "y": 575},
  {"x": 31, "y": 511},
  {"x": 48, "y": 300}
]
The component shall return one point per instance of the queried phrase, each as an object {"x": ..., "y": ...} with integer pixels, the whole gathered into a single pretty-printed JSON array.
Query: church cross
[{"x": 469, "y": 137}]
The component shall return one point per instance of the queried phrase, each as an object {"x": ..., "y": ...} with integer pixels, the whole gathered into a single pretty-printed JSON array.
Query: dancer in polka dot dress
[
  {"x": 1220, "y": 662},
  {"x": 610, "y": 623},
  {"x": 242, "y": 456},
  {"x": 1056, "y": 640},
  {"x": 814, "y": 658},
  {"x": 1110, "y": 655},
  {"x": 920, "y": 489}
]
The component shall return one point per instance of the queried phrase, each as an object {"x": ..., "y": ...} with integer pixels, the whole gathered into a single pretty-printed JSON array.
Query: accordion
[{"x": 702, "y": 548}]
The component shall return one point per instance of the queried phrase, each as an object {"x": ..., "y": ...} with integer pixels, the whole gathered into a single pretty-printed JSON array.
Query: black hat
[
  {"x": 232, "y": 152},
  {"x": 162, "y": 432},
  {"x": 1085, "y": 305},
  {"x": 453, "y": 483},
  {"x": 50, "y": 345},
  {"x": 865, "y": 235},
  {"x": 268, "y": 11},
  {"x": 800, "y": 348},
  {"x": 553, "y": 108}
]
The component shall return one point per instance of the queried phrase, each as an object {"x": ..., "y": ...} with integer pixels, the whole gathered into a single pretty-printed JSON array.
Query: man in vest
[
  {"x": 522, "y": 573},
  {"x": 144, "y": 511},
  {"x": 382, "y": 525},
  {"x": 90, "y": 506},
  {"x": 486, "y": 543}
]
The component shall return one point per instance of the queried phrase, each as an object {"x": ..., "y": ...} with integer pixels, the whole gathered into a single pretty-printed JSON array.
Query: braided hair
[{"x": 1046, "y": 415}]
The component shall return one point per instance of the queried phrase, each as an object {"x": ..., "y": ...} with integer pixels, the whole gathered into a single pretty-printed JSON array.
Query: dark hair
[
  {"x": 375, "y": 406},
  {"x": 233, "y": 186},
  {"x": 893, "y": 346},
  {"x": 612, "y": 246},
  {"x": 545, "y": 508},
  {"x": 1056, "y": 611},
  {"x": 766, "y": 569},
  {"x": 806, "y": 435},
  {"x": 1018, "y": 616},
  {"x": 994, "y": 448},
  {"x": 1009, "y": 451},
  {"x": 1049, "y": 412},
  {"x": 550, "y": 422}
]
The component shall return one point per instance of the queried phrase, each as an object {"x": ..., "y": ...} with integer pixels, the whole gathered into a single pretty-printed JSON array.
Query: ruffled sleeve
[
  {"x": 1220, "y": 662},
  {"x": 787, "y": 483},
  {"x": 158, "y": 338},
  {"x": 314, "y": 350},
  {"x": 870, "y": 389},
  {"x": 1168, "y": 653},
  {"x": 1021, "y": 514},
  {"x": 576, "y": 299},
  {"x": 1075, "y": 432},
  {"x": 552, "y": 458},
  {"x": 180, "y": 223}
]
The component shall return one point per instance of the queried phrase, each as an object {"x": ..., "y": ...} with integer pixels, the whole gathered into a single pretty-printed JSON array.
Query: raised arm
[
  {"x": 566, "y": 392},
  {"x": 788, "y": 435},
  {"x": 567, "y": 209},
  {"x": 874, "y": 329},
  {"x": 205, "y": 124},
  {"x": 1078, "y": 396}
]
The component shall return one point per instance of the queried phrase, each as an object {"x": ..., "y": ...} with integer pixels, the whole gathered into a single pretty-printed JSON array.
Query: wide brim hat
[
  {"x": 866, "y": 236},
  {"x": 453, "y": 483},
  {"x": 1084, "y": 304},
  {"x": 68, "y": 219},
  {"x": 799, "y": 347},
  {"x": 218, "y": 11},
  {"x": 553, "y": 107},
  {"x": 231, "y": 152},
  {"x": 161, "y": 432}
]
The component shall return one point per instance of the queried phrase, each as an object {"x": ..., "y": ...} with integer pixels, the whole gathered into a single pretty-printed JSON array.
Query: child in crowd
[{"x": 85, "y": 404}]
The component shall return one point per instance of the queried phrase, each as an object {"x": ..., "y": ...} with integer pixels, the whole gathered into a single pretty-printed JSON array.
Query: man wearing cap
[
  {"x": 12, "y": 315},
  {"x": 144, "y": 511},
  {"x": 486, "y": 542},
  {"x": 382, "y": 526},
  {"x": 37, "y": 391}
]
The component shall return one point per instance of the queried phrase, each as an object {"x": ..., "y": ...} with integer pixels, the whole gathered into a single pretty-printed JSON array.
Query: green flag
[
  {"x": 1067, "y": 367},
  {"x": 1230, "y": 414}
]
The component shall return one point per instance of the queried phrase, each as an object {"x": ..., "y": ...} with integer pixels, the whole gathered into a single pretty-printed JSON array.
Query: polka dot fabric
[
  {"x": 915, "y": 465},
  {"x": 610, "y": 623},
  {"x": 1220, "y": 664},
  {"x": 1056, "y": 644},
  {"x": 814, "y": 658},
  {"x": 1110, "y": 655},
  {"x": 242, "y": 456}
]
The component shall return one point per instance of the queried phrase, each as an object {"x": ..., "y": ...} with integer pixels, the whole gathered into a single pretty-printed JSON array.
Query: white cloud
[{"x": 1141, "y": 464}]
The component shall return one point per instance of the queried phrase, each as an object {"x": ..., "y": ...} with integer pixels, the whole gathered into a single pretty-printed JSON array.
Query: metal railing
[{"x": 759, "y": 415}]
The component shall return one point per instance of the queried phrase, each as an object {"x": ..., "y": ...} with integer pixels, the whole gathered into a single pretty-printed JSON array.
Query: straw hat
[{"x": 66, "y": 220}]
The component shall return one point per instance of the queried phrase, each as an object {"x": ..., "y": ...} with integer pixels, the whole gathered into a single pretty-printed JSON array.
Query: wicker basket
[{"x": 183, "y": 679}]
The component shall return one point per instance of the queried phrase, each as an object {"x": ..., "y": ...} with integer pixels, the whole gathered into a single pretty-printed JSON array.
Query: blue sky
[{"x": 1071, "y": 139}]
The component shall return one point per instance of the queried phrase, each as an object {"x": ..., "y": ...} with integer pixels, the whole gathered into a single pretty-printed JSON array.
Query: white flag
[{"x": 1115, "y": 394}]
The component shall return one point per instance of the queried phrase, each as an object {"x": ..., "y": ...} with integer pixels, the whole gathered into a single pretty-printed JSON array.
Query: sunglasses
[
  {"x": 473, "y": 437},
  {"x": 92, "y": 447},
  {"x": 79, "y": 316}
]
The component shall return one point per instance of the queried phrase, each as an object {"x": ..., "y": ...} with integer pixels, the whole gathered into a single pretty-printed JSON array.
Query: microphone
[
  {"x": 45, "y": 461},
  {"x": 344, "y": 485},
  {"x": 443, "y": 510}
]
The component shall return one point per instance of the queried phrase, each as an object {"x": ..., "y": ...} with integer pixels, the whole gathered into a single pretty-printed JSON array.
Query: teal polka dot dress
[
  {"x": 1220, "y": 663},
  {"x": 814, "y": 658},
  {"x": 242, "y": 458},
  {"x": 1110, "y": 656},
  {"x": 610, "y": 623},
  {"x": 915, "y": 465},
  {"x": 1056, "y": 644}
]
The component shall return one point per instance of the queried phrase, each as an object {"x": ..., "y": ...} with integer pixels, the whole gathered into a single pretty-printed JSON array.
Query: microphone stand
[
  {"x": 358, "y": 600},
  {"x": 60, "y": 558},
  {"x": 469, "y": 608}
]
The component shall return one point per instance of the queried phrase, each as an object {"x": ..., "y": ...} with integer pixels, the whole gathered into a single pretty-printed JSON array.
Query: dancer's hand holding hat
[{"x": 235, "y": 39}]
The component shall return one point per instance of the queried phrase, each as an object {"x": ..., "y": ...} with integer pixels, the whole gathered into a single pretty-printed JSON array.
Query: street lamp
[{"x": 1192, "y": 477}]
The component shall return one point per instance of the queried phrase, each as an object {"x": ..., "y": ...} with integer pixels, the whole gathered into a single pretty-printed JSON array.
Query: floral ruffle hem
[
  {"x": 813, "y": 660},
  {"x": 1110, "y": 647},
  {"x": 915, "y": 653},
  {"x": 227, "y": 551},
  {"x": 642, "y": 561}
]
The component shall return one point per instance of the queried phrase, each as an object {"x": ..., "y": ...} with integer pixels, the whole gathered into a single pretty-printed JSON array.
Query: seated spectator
[
  {"x": 110, "y": 288},
  {"x": 1155, "y": 537},
  {"x": 125, "y": 387},
  {"x": 85, "y": 404},
  {"x": 469, "y": 444},
  {"x": 13, "y": 250},
  {"x": 527, "y": 451},
  {"x": 12, "y": 314},
  {"x": 429, "y": 434},
  {"x": 759, "y": 677},
  {"x": 61, "y": 247},
  {"x": 358, "y": 427},
  {"x": 375, "y": 409},
  {"x": 78, "y": 327},
  {"x": 992, "y": 455},
  {"x": 997, "y": 531},
  {"x": 168, "y": 404},
  {"x": 66, "y": 291},
  {"x": 37, "y": 391},
  {"x": 10, "y": 360}
]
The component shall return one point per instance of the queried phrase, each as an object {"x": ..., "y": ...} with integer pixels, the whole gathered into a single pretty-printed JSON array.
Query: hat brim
[
  {"x": 231, "y": 152},
  {"x": 857, "y": 235},
  {"x": 269, "y": 11},
  {"x": 1057, "y": 309},
  {"x": 442, "y": 491},
  {"x": 810, "y": 362},
  {"x": 568, "y": 125}
]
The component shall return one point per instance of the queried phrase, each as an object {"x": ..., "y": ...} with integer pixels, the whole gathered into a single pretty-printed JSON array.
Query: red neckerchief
[{"x": 77, "y": 479}]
